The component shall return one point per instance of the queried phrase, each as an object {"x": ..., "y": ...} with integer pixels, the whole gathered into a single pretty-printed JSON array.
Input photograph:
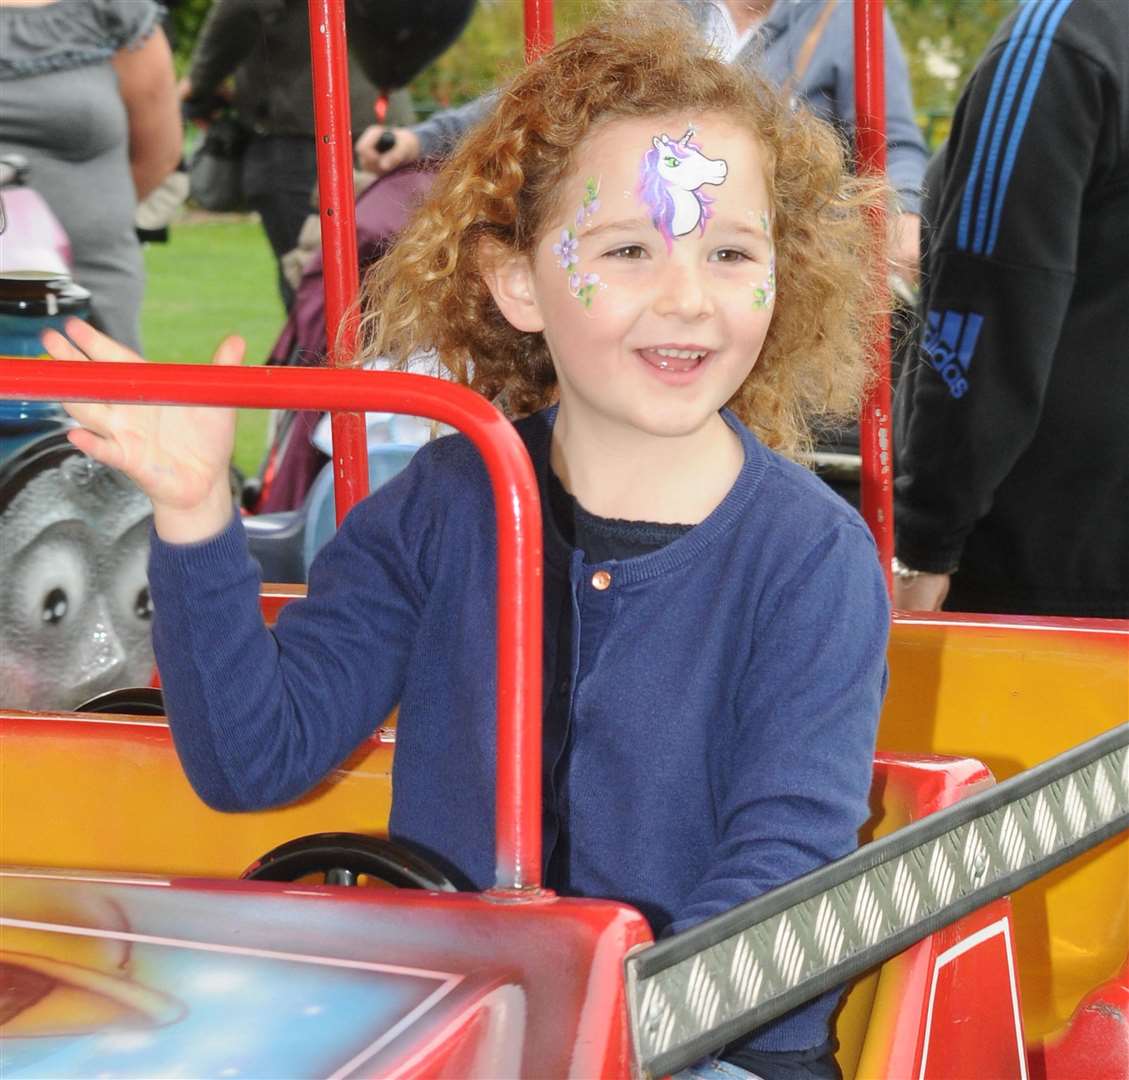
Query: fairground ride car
[{"x": 982, "y": 924}]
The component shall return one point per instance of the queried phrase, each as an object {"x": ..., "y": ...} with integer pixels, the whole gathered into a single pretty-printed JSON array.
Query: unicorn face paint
[
  {"x": 672, "y": 333},
  {"x": 671, "y": 179}
]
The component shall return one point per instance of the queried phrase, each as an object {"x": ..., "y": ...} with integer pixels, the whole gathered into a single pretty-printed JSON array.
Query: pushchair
[{"x": 290, "y": 509}]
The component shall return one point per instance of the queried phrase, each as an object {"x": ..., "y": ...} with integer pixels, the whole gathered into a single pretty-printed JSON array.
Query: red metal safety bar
[
  {"x": 875, "y": 447},
  {"x": 539, "y": 33},
  {"x": 329, "y": 61},
  {"x": 517, "y": 510}
]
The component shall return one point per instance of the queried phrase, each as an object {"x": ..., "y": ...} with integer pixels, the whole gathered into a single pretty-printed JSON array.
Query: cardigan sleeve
[
  {"x": 801, "y": 758},
  {"x": 258, "y": 716}
]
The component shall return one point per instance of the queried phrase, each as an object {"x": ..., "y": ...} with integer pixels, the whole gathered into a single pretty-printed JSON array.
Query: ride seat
[
  {"x": 285, "y": 543},
  {"x": 1094, "y": 1045}
]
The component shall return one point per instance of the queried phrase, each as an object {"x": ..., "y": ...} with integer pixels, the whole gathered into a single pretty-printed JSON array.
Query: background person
[
  {"x": 715, "y": 618},
  {"x": 806, "y": 48},
  {"x": 266, "y": 45},
  {"x": 1012, "y": 417},
  {"x": 89, "y": 99}
]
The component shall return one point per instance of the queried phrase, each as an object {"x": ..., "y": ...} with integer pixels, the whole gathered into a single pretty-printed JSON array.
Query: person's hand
[
  {"x": 924, "y": 592},
  {"x": 201, "y": 110},
  {"x": 404, "y": 151},
  {"x": 178, "y": 455},
  {"x": 905, "y": 247}
]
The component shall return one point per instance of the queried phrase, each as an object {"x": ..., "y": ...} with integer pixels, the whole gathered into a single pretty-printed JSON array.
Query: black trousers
[{"x": 279, "y": 174}]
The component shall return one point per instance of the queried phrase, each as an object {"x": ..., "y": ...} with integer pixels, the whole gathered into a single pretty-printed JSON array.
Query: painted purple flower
[
  {"x": 763, "y": 295},
  {"x": 583, "y": 287},
  {"x": 566, "y": 250},
  {"x": 591, "y": 208}
]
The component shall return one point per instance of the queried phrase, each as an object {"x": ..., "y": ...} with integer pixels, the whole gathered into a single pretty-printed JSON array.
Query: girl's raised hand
[{"x": 178, "y": 455}]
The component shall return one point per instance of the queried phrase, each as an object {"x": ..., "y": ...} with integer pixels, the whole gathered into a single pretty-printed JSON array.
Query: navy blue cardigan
[{"x": 723, "y": 691}]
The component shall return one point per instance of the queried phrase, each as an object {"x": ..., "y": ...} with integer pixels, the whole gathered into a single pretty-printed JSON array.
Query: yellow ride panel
[
  {"x": 107, "y": 792},
  {"x": 1013, "y": 692}
]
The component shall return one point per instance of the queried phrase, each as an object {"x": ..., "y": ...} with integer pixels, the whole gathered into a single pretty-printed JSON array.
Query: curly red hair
[{"x": 502, "y": 186}]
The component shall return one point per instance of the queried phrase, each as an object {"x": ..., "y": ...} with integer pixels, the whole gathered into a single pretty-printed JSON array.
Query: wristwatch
[{"x": 903, "y": 572}]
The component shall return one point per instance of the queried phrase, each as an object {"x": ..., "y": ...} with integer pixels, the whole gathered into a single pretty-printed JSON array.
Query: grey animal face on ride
[{"x": 74, "y": 601}]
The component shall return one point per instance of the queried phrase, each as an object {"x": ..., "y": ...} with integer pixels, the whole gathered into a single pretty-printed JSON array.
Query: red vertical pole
[
  {"x": 538, "y": 28},
  {"x": 874, "y": 424},
  {"x": 330, "y": 63}
]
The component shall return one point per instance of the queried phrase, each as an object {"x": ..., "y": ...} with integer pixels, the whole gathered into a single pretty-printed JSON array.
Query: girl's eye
[
  {"x": 628, "y": 251},
  {"x": 730, "y": 255}
]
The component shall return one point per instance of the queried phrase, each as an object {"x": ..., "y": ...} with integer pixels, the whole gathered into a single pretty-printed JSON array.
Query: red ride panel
[{"x": 974, "y": 1006}]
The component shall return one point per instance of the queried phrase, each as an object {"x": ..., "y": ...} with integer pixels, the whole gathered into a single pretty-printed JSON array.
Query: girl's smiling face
[{"x": 654, "y": 301}]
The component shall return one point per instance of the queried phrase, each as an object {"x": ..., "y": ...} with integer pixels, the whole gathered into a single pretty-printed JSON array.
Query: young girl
[{"x": 646, "y": 256}]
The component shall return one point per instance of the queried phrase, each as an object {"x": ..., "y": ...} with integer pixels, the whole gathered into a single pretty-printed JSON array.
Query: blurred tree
[
  {"x": 187, "y": 18},
  {"x": 490, "y": 50},
  {"x": 943, "y": 39}
]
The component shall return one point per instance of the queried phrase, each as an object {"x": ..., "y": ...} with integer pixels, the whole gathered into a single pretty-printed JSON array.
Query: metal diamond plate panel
[{"x": 761, "y": 970}]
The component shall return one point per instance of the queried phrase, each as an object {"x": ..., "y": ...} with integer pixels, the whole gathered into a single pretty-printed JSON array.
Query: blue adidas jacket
[
  {"x": 1012, "y": 414},
  {"x": 723, "y": 698}
]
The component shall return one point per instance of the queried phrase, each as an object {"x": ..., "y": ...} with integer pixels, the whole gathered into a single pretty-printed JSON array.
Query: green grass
[{"x": 215, "y": 277}]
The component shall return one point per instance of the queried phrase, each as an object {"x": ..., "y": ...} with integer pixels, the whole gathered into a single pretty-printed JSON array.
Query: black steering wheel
[
  {"x": 130, "y": 700},
  {"x": 341, "y": 858}
]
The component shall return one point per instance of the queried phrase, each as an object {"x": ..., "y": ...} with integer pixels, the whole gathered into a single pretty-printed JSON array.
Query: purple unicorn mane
[{"x": 655, "y": 194}]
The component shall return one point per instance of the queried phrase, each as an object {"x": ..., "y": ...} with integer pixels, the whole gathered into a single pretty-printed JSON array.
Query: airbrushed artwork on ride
[
  {"x": 74, "y": 600},
  {"x": 581, "y": 285},
  {"x": 86, "y": 994},
  {"x": 671, "y": 179}
]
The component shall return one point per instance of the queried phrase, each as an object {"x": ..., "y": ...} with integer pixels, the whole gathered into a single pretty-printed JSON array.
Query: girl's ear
[{"x": 509, "y": 277}]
